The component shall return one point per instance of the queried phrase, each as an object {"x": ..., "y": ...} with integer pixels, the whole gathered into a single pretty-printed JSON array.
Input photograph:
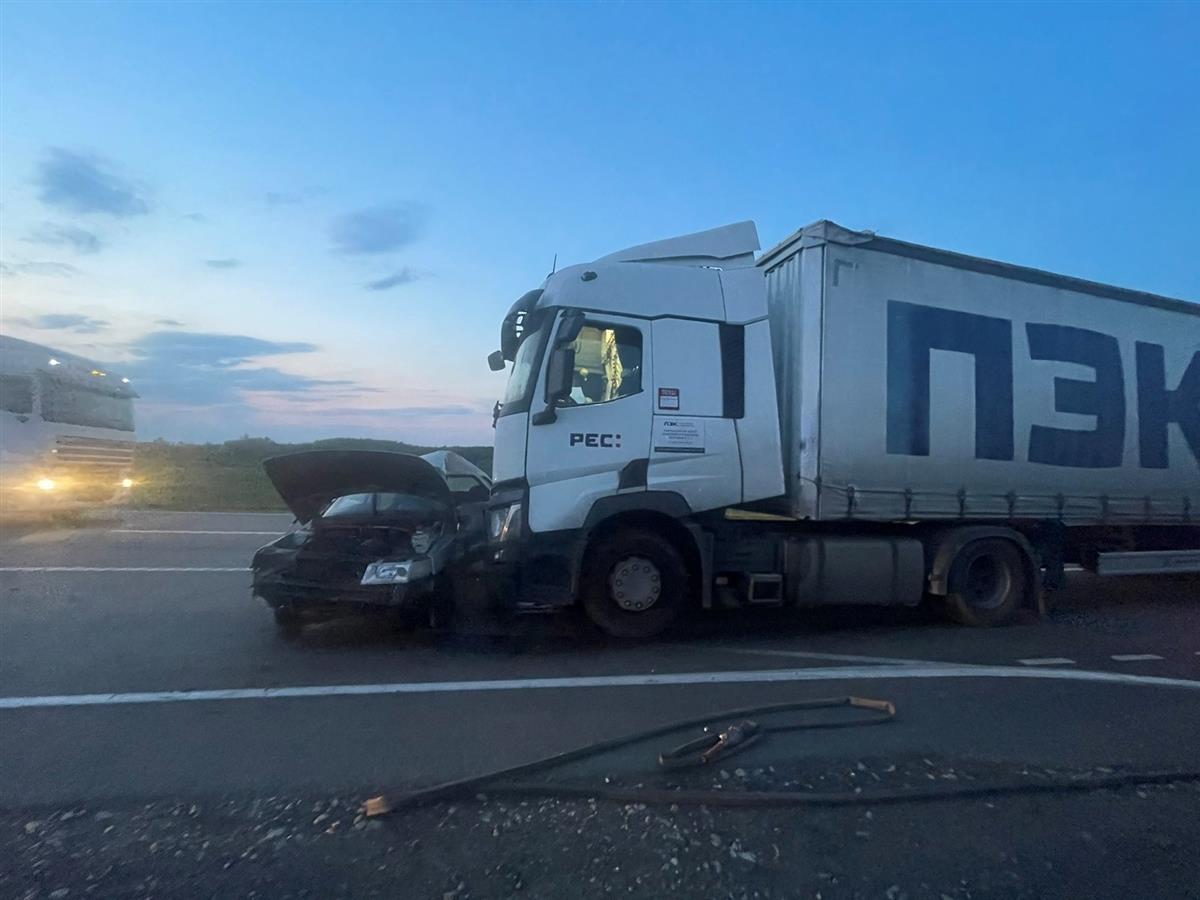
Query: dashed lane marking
[
  {"x": 1047, "y": 661},
  {"x": 828, "y": 657},
  {"x": 849, "y": 673},
  {"x": 124, "y": 569},
  {"x": 1134, "y": 657}
]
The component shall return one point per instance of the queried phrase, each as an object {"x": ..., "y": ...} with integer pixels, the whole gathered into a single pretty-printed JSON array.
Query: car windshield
[
  {"x": 73, "y": 404},
  {"x": 462, "y": 484},
  {"x": 381, "y": 504}
]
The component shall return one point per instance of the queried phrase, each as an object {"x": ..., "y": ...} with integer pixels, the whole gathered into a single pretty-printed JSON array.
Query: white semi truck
[
  {"x": 66, "y": 430},
  {"x": 845, "y": 419}
]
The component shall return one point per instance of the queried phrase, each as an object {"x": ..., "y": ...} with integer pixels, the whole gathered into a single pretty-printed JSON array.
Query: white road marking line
[
  {"x": 123, "y": 569},
  {"x": 182, "y": 531},
  {"x": 863, "y": 673},
  {"x": 830, "y": 657},
  {"x": 1134, "y": 657},
  {"x": 1047, "y": 661}
]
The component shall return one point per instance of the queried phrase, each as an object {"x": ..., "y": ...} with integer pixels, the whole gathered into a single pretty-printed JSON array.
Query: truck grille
[{"x": 88, "y": 452}]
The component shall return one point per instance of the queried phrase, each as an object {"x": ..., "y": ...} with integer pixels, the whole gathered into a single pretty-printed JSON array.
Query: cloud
[
  {"x": 205, "y": 386},
  {"x": 228, "y": 263},
  {"x": 38, "y": 267},
  {"x": 379, "y": 229},
  {"x": 169, "y": 323},
  {"x": 401, "y": 276},
  {"x": 218, "y": 351},
  {"x": 83, "y": 183},
  {"x": 79, "y": 324},
  {"x": 78, "y": 239}
]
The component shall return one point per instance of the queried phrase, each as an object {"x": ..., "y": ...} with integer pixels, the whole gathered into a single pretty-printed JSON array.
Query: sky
[{"x": 306, "y": 220}]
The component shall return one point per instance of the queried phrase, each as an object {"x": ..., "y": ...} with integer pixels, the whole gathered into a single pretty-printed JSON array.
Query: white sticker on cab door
[{"x": 677, "y": 435}]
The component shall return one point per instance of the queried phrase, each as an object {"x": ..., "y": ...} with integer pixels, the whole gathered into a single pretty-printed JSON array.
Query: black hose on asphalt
[
  {"x": 503, "y": 783},
  {"x": 882, "y": 710}
]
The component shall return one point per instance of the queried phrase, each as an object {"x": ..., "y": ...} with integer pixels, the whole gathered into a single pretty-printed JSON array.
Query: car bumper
[{"x": 317, "y": 598}]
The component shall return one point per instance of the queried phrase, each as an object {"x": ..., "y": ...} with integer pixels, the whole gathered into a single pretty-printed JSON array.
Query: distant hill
[{"x": 229, "y": 476}]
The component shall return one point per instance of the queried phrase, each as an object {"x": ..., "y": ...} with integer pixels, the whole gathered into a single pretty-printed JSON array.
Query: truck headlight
[
  {"x": 398, "y": 572},
  {"x": 504, "y": 523},
  {"x": 126, "y": 482},
  {"x": 45, "y": 484}
]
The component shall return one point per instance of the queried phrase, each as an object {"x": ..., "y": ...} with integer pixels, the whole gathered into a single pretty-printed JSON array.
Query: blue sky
[{"x": 306, "y": 220}]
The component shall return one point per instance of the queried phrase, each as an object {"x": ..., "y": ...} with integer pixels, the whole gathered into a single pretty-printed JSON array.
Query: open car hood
[{"x": 308, "y": 481}]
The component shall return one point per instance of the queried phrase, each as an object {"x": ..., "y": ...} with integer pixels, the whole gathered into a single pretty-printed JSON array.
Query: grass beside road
[{"x": 229, "y": 476}]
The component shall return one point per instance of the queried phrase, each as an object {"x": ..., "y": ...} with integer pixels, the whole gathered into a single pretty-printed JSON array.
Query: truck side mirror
[
  {"x": 496, "y": 361},
  {"x": 560, "y": 371},
  {"x": 569, "y": 327},
  {"x": 560, "y": 374}
]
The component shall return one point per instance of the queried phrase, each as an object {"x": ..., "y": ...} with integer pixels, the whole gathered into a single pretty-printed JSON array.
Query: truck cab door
[{"x": 598, "y": 442}]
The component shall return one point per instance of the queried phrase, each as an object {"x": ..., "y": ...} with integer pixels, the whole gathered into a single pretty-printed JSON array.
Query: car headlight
[
  {"x": 422, "y": 539},
  {"x": 504, "y": 522},
  {"x": 398, "y": 572},
  {"x": 45, "y": 484}
]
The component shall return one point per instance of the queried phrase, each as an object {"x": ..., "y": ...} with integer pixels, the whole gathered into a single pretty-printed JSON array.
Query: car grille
[
  {"x": 85, "y": 452},
  {"x": 339, "y": 555}
]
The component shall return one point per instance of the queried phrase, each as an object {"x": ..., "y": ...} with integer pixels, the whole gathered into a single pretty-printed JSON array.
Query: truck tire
[
  {"x": 634, "y": 584},
  {"x": 987, "y": 583}
]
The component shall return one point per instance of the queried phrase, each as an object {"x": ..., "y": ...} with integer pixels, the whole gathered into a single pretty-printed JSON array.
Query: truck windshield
[
  {"x": 519, "y": 390},
  {"x": 73, "y": 404}
]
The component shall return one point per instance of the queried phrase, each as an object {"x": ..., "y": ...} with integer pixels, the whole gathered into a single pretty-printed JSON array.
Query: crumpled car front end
[
  {"x": 376, "y": 532},
  {"x": 321, "y": 570}
]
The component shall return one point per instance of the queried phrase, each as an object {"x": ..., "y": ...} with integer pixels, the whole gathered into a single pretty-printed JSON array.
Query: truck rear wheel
[
  {"x": 634, "y": 584},
  {"x": 987, "y": 582}
]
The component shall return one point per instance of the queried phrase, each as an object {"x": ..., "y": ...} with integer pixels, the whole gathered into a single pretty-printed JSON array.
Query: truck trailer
[{"x": 845, "y": 419}]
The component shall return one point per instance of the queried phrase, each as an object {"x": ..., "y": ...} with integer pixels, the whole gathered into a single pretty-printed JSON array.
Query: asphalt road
[{"x": 136, "y": 669}]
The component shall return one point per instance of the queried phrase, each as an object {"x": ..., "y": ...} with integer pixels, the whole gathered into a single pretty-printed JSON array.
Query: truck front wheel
[
  {"x": 634, "y": 584},
  {"x": 987, "y": 582}
]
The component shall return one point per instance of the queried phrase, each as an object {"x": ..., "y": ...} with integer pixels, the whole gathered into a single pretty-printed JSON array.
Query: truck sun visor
[{"x": 513, "y": 326}]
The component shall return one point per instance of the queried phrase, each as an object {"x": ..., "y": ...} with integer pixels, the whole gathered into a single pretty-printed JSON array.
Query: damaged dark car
[{"x": 375, "y": 531}]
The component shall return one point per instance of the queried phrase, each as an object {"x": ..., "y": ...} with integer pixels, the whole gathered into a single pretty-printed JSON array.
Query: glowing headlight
[
  {"x": 504, "y": 522},
  {"x": 126, "y": 482},
  {"x": 402, "y": 572},
  {"x": 45, "y": 484}
]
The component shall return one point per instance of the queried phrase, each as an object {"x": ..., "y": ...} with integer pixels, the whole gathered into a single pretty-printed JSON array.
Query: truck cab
[
  {"x": 66, "y": 430},
  {"x": 635, "y": 382}
]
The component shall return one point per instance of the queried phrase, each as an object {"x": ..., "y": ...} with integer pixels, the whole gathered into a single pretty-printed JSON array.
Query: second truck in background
[{"x": 847, "y": 419}]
